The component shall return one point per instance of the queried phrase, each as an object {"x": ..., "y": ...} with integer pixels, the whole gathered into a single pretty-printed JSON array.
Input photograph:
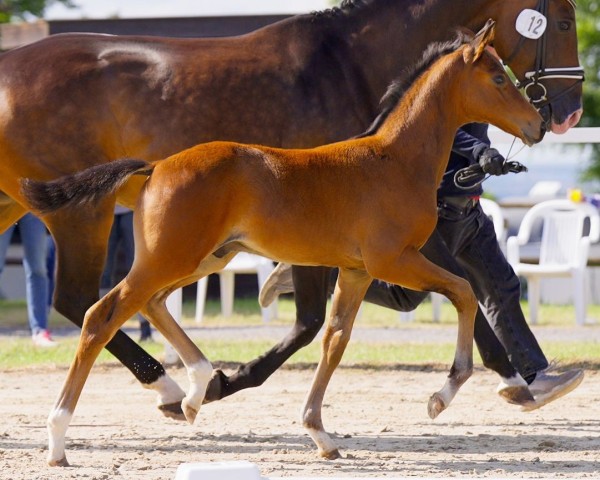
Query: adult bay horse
[
  {"x": 72, "y": 101},
  {"x": 368, "y": 206}
]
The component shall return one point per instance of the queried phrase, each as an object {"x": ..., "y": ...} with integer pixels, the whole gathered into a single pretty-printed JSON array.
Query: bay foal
[{"x": 365, "y": 205}]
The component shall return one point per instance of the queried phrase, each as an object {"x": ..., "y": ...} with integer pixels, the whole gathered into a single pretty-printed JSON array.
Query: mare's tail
[{"x": 82, "y": 187}]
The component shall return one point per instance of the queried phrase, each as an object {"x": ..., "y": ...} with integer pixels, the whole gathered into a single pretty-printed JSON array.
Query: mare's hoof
[
  {"x": 190, "y": 412},
  {"x": 435, "y": 406},
  {"x": 517, "y": 395},
  {"x": 214, "y": 391},
  {"x": 58, "y": 463},
  {"x": 172, "y": 410},
  {"x": 330, "y": 455}
]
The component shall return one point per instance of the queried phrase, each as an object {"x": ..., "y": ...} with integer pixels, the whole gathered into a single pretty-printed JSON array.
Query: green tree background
[
  {"x": 588, "y": 33},
  {"x": 18, "y": 9}
]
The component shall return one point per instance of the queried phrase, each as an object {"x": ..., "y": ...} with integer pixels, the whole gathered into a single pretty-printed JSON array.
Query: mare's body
[{"x": 73, "y": 101}]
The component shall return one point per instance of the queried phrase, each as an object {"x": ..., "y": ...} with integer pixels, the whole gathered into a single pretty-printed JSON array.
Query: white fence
[{"x": 575, "y": 135}]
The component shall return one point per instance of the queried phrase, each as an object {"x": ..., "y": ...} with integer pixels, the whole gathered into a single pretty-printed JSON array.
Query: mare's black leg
[{"x": 310, "y": 286}]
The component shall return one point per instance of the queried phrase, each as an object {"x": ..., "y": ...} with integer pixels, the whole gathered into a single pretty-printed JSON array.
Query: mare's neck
[
  {"x": 419, "y": 132},
  {"x": 400, "y": 30}
]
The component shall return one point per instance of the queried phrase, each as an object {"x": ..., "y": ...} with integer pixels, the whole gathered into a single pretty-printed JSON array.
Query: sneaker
[
  {"x": 515, "y": 390},
  {"x": 547, "y": 388},
  {"x": 43, "y": 339},
  {"x": 280, "y": 281}
]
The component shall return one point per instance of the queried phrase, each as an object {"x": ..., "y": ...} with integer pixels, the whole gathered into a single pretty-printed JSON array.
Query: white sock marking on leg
[
  {"x": 199, "y": 375},
  {"x": 58, "y": 422},
  {"x": 167, "y": 389}
]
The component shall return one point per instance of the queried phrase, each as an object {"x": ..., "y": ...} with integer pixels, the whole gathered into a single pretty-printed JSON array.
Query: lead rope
[{"x": 474, "y": 173}]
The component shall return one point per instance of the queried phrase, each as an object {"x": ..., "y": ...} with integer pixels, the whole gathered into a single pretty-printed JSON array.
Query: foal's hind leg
[
  {"x": 414, "y": 271},
  {"x": 81, "y": 238},
  {"x": 198, "y": 367},
  {"x": 349, "y": 292},
  {"x": 101, "y": 322}
]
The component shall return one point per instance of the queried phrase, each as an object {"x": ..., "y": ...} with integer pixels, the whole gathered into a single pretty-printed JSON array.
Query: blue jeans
[
  {"x": 34, "y": 240},
  {"x": 121, "y": 235},
  {"x": 121, "y": 238}
]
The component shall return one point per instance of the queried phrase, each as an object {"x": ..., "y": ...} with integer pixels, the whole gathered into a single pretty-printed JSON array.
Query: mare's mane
[
  {"x": 350, "y": 6},
  {"x": 345, "y": 7},
  {"x": 400, "y": 86}
]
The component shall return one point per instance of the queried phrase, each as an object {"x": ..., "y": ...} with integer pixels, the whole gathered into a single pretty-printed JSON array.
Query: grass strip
[{"x": 19, "y": 352}]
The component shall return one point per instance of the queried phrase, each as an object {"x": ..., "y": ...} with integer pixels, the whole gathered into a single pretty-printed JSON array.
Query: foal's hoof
[
  {"x": 517, "y": 395},
  {"x": 190, "y": 412},
  {"x": 172, "y": 410},
  {"x": 435, "y": 406},
  {"x": 58, "y": 463},
  {"x": 330, "y": 455},
  {"x": 214, "y": 391}
]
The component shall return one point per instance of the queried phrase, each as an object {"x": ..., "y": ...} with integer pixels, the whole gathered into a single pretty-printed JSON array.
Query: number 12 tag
[{"x": 531, "y": 24}]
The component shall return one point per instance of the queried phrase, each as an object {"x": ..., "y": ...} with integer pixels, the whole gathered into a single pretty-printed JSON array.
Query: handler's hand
[{"x": 492, "y": 162}]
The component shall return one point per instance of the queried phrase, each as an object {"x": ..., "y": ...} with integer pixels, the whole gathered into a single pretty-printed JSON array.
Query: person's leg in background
[
  {"x": 35, "y": 244},
  {"x": 51, "y": 269},
  {"x": 4, "y": 243},
  {"x": 107, "y": 280},
  {"x": 127, "y": 244}
]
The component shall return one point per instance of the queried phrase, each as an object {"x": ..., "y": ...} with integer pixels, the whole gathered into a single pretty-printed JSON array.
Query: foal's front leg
[
  {"x": 414, "y": 271},
  {"x": 349, "y": 292}
]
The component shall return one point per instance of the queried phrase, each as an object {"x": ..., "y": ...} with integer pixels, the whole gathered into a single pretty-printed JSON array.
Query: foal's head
[
  {"x": 488, "y": 95},
  {"x": 479, "y": 90}
]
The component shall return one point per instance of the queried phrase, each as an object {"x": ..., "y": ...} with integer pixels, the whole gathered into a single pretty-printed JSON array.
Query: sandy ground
[{"x": 379, "y": 418}]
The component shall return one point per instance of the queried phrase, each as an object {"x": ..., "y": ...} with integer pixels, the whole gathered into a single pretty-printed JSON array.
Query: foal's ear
[{"x": 482, "y": 39}]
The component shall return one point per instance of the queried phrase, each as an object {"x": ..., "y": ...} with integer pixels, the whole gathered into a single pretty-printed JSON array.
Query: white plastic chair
[
  {"x": 492, "y": 210},
  {"x": 241, "y": 263},
  {"x": 564, "y": 249}
]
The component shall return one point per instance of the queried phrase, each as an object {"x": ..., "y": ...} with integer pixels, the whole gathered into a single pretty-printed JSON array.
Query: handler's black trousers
[{"x": 464, "y": 243}]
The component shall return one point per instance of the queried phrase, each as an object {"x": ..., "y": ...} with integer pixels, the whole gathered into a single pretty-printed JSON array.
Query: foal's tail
[{"x": 83, "y": 187}]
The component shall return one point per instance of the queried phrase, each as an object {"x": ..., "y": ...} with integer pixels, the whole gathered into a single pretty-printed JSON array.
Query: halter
[{"x": 533, "y": 78}]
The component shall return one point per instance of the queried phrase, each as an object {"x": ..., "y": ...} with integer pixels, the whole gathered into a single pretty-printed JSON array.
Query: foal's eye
[
  {"x": 564, "y": 26},
  {"x": 499, "y": 79}
]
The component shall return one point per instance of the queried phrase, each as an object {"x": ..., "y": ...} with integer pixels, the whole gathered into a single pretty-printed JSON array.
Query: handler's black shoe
[
  {"x": 547, "y": 388},
  {"x": 280, "y": 281}
]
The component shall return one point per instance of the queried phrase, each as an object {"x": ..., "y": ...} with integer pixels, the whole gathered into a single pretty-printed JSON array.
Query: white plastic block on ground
[{"x": 218, "y": 471}]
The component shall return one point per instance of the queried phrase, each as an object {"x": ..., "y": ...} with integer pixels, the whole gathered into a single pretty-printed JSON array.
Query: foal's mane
[{"x": 400, "y": 86}]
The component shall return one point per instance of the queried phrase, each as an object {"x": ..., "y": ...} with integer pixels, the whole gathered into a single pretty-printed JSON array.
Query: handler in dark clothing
[{"x": 464, "y": 242}]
